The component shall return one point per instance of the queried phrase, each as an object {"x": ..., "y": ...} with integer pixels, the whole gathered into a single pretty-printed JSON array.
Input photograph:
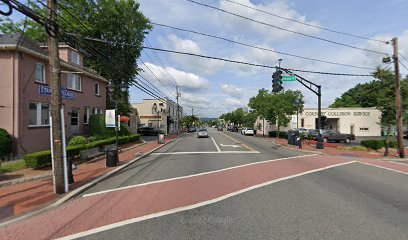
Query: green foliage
[
  {"x": 99, "y": 131},
  {"x": 91, "y": 139},
  {"x": 43, "y": 158},
  {"x": 379, "y": 93},
  {"x": 189, "y": 121},
  {"x": 277, "y": 107},
  {"x": 77, "y": 140},
  {"x": 373, "y": 144},
  {"x": 5, "y": 143},
  {"x": 274, "y": 134},
  {"x": 38, "y": 159}
]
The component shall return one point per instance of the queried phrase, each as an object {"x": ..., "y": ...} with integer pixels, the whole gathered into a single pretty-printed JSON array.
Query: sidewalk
[
  {"x": 29, "y": 196},
  {"x": 331, "y": 149}
]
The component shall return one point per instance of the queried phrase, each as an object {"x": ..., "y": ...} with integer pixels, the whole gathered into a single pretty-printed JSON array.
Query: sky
[{"x": 214, "y": 87}]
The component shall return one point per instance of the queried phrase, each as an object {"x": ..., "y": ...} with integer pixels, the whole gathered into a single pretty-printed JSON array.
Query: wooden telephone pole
[
  {"x": 56, "y": 101},
  {"x": 398, "y": 99}
]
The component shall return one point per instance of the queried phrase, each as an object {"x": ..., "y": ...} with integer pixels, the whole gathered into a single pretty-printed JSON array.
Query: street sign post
[{"x": 288, "y": 78}]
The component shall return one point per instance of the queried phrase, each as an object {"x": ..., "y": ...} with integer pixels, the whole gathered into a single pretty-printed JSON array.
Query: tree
[
  {"x": 190, "y": 121},
  {"x": 378, "y": 93},
  {"x": 277, "y": 107}
]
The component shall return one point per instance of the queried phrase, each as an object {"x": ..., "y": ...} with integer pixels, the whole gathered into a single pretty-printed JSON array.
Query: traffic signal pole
[{"x": 316, "y": 89}]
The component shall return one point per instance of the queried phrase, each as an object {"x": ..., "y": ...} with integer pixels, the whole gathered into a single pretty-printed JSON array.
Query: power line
[
  {"x": 402, "y": 56},
  {"x": 308, "y": 24},
  {"x": 406, "y": 68},
  {"x": 162, "y": 62},
  {"x": 235, "y": 61},
  {"x": 287, "y": 30},
  {"x": 158, "y": 79},
  {"x": 261, "y": 48}
]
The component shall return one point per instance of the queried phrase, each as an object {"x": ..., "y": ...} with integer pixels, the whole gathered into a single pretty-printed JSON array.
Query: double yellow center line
[{"x": 240, "y": 143}]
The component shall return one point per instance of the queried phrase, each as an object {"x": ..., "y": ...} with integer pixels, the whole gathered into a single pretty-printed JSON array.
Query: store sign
[
  {"x": 110, "y": 118},
  {"x": 150, "y": 117},
  {"x": 46, "y": 91},
  {"x": 338, "y": 114}
]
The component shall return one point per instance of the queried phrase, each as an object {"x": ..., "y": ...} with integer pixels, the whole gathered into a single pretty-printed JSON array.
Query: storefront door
[{"x": 352, "y": 128}]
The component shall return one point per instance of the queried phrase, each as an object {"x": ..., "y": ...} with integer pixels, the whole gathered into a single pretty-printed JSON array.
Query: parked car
[
  {"x": 331, "y": 135},
  {"x": 220, "y": 129},
  {"x": 202, "y": 132},
  {"x": 312, "y": 134},
  {"x": 405, "y": 134},
  {"x": 243, "y": 131},
  {"x": 301, "y": 130},
  {"x": 230, "y": 128},
  {"x": 192, "y": 129},
  {"x": 148, "y": 131},
  {"x": 249, "y": 131}
]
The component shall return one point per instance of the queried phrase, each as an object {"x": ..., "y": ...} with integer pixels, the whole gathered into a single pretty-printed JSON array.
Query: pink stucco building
[{"x": 25, "y": 92}]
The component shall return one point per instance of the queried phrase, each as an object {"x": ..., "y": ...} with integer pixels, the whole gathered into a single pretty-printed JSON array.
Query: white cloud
[
  {"x": 188, "y": 82},
  {"x": 232, "y": 91},
  {"x": 235, "y": 103}
]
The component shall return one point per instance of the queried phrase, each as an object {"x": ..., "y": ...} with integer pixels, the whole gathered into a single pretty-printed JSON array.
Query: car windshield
[{"x": 202, "y": 130}]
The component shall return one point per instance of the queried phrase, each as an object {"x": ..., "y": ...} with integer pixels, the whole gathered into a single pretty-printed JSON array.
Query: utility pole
[
  {"x": 178, "y": 110},
  {"x": 398, "y": 104},
  {"x": 56, "y": 101}
]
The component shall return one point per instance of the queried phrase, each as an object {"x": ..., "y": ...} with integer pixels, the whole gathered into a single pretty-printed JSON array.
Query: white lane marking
[
  {"x": 221, "y": 152},
  {"x": 180, "y": 209},
  {"x": 194, "y": 175},
  {"x": 390, "y": 169},
  {"x": 234, "y": 146},
  {"x": 218, "y": 149}
]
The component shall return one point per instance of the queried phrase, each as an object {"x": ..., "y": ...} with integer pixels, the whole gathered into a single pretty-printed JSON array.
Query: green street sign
[{"x": 288, "y": 78}]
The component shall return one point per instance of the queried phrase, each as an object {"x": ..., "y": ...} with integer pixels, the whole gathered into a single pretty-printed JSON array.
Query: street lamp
[
  {"x": 111, "y": 90},
  {"x": 157, "y": 110}
]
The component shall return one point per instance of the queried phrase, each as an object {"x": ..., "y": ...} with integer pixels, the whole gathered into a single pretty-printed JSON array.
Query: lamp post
[
  {"x": 157, "y": 110},
  {"x": 111, "y": 91}
]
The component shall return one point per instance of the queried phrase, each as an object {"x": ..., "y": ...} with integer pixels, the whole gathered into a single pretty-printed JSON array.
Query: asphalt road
[
  {"x": 230, "y": 186},
  {"x": 348, "y": 202},
  {"x": 355, "y": 201},
  {"x": 197, "y": 159}
]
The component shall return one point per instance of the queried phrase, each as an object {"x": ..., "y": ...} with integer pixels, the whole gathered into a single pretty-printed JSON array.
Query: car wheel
[
  {"x": 325, "y": 140},
  {"x": 347, "y": 140}
]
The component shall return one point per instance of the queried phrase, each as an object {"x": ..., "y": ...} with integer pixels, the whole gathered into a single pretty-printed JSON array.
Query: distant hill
[{"x": 207, "y": 119}]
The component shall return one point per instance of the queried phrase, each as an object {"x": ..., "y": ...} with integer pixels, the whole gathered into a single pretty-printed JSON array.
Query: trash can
[
  {"x": 111, "y": 157},
  {"x": 293, "y": 137},
  {"x": 70, "y": 175},
  {"x": 161, "y": 136}
]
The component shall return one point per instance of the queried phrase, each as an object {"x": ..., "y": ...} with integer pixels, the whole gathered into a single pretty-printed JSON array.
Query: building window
[
  {"x": 97, "y": 88},
  {"x": 97, "y": 111},
  {"x": 38, "y": 114},
  {"x": 74, "y": 117},
  {"x": 74, "y": 82},
  {"x": 364, "y": 129},
  {"x": 75, "y": 57},
  {"x": 302, "y": 122},
  {"x": 40, "y": 72},
  {"x": 86, "y": 115}
]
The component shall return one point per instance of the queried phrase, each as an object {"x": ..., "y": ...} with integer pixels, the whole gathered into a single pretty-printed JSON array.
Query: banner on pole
[{"x": 110, "y": 118}]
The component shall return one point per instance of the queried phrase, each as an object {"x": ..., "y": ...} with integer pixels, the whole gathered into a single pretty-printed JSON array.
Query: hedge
[
  {"x": 5, "y": 143},
  {"x": 281, "y": 134},
  {"x": 43, "y": 158},
  {"x": 98, "y": 128},
  {"x": 378, "y": 144}
]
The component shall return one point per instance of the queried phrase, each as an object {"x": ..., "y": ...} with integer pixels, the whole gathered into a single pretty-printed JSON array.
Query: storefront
[{"x": 358, "y": 121}]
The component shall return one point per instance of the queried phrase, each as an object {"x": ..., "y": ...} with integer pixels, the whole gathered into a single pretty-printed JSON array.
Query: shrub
[
  {"x": 38, "y": 159},
  {"x": 353, "y": 148},
  {"x": 392, "y": 143},
  {"x": 43, "y": 158},
  {"x": 77, "y": 140},
  {"x": 5, "y": 143},
  {"x": 373, "y": 144},
  {"x": 100, "y": 131}
]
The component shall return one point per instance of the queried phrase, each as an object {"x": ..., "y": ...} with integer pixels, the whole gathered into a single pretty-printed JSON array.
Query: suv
[
  {"x": 192, "y": 129},
  {"x": 330, "y": 135}
]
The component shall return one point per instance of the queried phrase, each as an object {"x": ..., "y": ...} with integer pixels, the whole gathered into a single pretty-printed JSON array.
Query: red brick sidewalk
[{"x": 25, "y": 197}]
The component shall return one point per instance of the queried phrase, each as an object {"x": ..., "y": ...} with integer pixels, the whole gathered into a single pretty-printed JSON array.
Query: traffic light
[{"x": 277, "y": 81}]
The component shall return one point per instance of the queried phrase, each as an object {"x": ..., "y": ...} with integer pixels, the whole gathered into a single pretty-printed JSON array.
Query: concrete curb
[
  {"x": 79, "y": 190},
  {"x": 298, "y": 149},
  {"x": 23, "y": 180}
]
